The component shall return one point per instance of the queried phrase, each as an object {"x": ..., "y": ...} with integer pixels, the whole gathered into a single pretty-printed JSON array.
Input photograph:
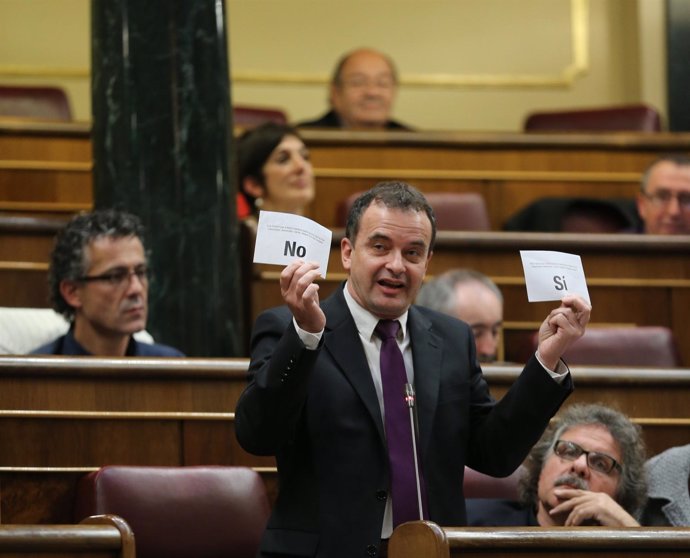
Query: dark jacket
[
  {"x": 495, "y": 512},
  {"x": 68, "y": 345},
  {"x": 331, "y": 120},
  {"x": 318, "y": 413}
]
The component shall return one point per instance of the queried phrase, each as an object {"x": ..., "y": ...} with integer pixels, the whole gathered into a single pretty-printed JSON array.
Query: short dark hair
[
  {"x": 254, "y": 147},
  {"x": 336, "y": 76},
  {"x": 680, "y": 159},
  {"x": 631, "y": 493},
  {"x": 68, "y": 259},
  {"x": 394, "y": 195}
]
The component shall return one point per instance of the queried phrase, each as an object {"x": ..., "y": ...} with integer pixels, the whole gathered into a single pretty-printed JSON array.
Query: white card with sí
[{"x": 552, "y": 275}]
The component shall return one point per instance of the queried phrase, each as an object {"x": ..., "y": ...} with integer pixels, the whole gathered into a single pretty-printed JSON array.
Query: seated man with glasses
[
  {"x": 664, "y": 198},
  {"x": 99, "y": 282},
  {"x": 361, "y": 93},
  {"x": 587, "y": 469}
]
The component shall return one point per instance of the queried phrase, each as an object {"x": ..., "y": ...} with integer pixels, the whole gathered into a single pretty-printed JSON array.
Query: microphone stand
[{"x": 410, "y": 400}]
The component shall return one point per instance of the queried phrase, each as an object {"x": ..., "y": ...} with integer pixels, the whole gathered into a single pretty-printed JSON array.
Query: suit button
[
  {"x": 381, "y": 495},
  {"x": 372, "y": 550}
]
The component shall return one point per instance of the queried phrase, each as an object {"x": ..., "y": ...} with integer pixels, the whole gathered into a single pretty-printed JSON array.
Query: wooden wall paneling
[{"x": 24, "y": 284}]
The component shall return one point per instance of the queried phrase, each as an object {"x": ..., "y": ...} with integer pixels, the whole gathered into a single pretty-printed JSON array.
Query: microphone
[{"x": 410, "y": 400}]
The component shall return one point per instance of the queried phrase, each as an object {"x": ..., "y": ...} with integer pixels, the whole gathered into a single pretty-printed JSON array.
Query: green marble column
[{"x": 162, "y": 134}]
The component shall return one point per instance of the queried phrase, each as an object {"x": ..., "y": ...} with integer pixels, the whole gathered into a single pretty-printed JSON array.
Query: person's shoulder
[
  {"x": 397, "y": 125},
  {"x": 327, "y": 120},
  {"x": 670, "y": 457},
  {"x": 438, "y": 319},
  {"x": 50, "y": 348},
  {"x": 496, "y": 512},
  {"x": 157, "y": 349}
]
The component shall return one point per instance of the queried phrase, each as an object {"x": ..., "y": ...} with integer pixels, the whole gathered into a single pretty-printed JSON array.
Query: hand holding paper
[
  {"x": 552, "y": 275},
  {"x": 557, "y": 276},
  {"x": 282, "y": 238},
  {"x": 562, "y": 327},
  {"x": 303, "y": 246}
]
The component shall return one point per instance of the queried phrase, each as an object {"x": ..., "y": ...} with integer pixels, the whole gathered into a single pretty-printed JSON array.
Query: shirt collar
[{"x": 365, "y": 321}]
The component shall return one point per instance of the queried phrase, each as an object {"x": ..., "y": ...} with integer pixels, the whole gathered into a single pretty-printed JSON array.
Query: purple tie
[{"x": 398, "y": 427}]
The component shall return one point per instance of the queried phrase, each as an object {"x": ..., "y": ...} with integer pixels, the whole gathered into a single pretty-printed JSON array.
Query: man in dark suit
[{"x": 315, "y": 395}]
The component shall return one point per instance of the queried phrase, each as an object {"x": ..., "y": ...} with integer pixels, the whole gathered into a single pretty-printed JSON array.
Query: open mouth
[{"x": 391, "y": 285}]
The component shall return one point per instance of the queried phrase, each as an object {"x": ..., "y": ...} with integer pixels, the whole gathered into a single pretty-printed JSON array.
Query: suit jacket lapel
[
  {"x": 427, "y": 348},
  {"x": 341, "y": 340}
]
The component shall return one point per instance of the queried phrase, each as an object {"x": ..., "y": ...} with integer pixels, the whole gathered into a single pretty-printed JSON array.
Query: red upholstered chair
[
  {"x": 245, "y": 116},
  {"x": 181, "y": 512},
  {"x": 479, "y": 485},
  {"x": 46, "y": 103},
  {"x": 642, "y": 118},
  {"x": 455, "y": 211},
  {"x": 652, "y": 346}
]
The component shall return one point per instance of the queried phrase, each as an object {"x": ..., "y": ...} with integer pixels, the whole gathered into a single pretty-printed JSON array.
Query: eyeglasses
[
  {"x": 596, "y": 461},
  {"x": 118, "y": 276},
  {"x": 360, "y": 82},
  {"x": 662, "y": 198}
]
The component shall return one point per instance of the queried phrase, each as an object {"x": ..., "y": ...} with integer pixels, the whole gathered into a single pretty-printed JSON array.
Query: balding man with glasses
[
  {"x": 99, "y": 282},
  {"x": 664, "y": 198},
  {"x": 361, "y": 93},
  {"x": 587, "y": 469}
]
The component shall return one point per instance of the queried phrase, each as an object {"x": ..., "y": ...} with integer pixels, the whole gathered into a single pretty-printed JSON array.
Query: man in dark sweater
[
  {"x": 361, "y": 94},
  {"x": 587, "y": 469},
  {"x": 99, "y": 282}
]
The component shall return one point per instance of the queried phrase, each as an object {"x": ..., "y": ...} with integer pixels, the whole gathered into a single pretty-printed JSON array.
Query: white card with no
[
  {"x": 552, "y": 275},
  {"x": 282, "y": 238}
]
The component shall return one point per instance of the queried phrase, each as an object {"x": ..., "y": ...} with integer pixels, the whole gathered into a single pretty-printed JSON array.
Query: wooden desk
[
  {"x": 416, "y": 539},
  {"x": 101, "y": 536},
  {"x": 63, "y": 417},
  {"x": 509, "y": 169},
  {"x": 48, "y": 167},
  {"x": 632, "y": 279},
  {"x": 45, "y": 168},
  {"x": 654, "y": 398}
]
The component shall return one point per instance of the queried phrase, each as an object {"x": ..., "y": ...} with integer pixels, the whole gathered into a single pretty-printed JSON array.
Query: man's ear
[
  {"x": 346, "y": 253},
  {"x": 333, "y": 96},
  {"x": 252, "y": 187},
  {"x": 70, "y": 292}
]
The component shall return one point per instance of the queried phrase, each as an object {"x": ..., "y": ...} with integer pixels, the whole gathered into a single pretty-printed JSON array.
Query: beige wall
[{"x": 464, "y": 64}]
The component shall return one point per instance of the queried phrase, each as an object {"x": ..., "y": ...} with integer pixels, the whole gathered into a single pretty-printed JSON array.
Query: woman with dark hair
[{"x": 275, "y": 173}]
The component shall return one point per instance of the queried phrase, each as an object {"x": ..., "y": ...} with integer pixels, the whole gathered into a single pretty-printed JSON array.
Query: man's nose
[
  {"x": 673, "y": 206},
  {"x": 395, "y": 262},
  {"x": 486, "y": 344},
  {"x": 135, "y": 284},
  {"x": 580, "y": 466}
]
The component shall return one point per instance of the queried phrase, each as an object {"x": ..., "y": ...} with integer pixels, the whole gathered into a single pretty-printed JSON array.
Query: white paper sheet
[
  {"x": 282, "y": 238},
  {"x": 552, "y": 275}
]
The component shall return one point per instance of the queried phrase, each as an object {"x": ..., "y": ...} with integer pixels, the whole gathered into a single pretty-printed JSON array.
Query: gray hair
[
  {"x": 68, "y": 259},
  {"x": 680, "y": 159},
  {"x": 631, "y": 492},
  {"x": 440, "y": 293}
]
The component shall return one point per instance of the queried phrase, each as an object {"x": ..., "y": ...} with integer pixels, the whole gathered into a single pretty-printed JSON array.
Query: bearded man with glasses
[
  {"x": 99, "y": 281},
  {"x": 587, "y": 469}
]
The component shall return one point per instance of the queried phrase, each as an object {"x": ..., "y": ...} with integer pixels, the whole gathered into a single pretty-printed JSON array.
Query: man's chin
[{"x": 134, "y": 326}]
